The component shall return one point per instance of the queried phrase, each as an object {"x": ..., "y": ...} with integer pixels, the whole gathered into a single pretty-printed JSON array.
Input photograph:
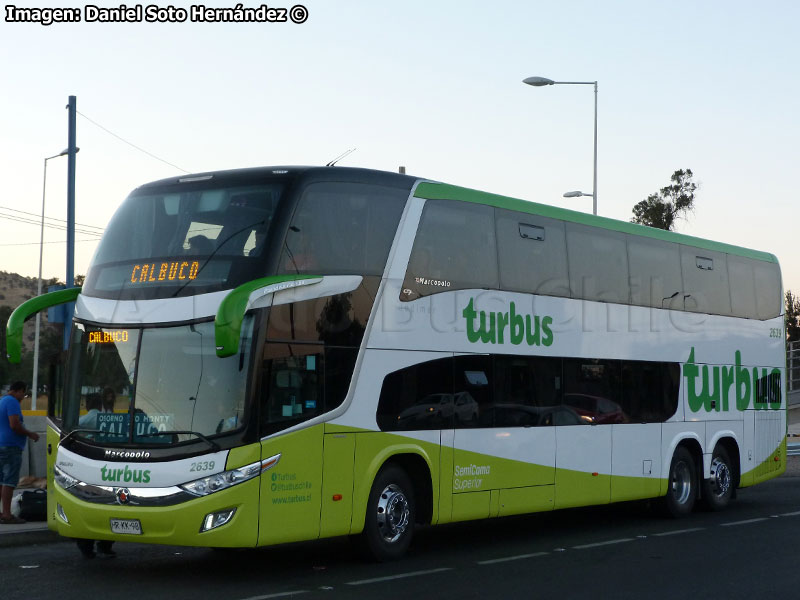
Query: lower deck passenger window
[{"x": 491, "y": 391}]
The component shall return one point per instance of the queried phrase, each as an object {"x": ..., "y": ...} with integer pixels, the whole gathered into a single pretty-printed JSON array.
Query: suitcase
[{"x": 33, "y": 505}]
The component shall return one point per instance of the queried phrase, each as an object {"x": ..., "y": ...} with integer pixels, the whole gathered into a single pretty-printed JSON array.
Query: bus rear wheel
[
  {"x": 389, "y": 523},
  {"x": 681, "y": 485},
  {"x": 718, "y": 489}
]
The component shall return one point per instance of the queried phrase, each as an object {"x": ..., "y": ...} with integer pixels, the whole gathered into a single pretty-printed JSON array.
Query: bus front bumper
[{"x": 180, "y": 524}]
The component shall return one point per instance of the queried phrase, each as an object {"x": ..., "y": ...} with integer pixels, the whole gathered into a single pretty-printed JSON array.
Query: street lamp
[
  {"x": 35, "y": 390},
  {"x": 542, "y": 81}
]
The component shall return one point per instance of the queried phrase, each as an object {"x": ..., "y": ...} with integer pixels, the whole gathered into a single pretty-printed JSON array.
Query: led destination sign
[
  {"x": 108, "y": 337},
  {"x": 165, "y": 271}
]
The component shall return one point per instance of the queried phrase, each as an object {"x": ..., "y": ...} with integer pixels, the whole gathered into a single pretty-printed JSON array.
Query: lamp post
[
  {"x": 542, "y": 81},
  {"x": 35, "y": 390}
]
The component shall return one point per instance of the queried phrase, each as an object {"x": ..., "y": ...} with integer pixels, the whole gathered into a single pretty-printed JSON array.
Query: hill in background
[{"x": 14, "y": 290}]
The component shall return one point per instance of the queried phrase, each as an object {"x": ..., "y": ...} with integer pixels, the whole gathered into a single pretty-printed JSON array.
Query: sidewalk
[
  {"x": 793, "y": 420},
  {"x": 32, "y": 532}
]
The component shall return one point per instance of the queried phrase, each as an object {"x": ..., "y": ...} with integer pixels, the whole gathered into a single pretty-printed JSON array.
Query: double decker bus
[{"x": 270, "y": 355}]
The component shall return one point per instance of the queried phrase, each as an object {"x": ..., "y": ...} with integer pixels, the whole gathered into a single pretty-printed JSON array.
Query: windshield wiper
[
  {"x": 74, "y": 431},
  {"x": 211, "y": 443}
]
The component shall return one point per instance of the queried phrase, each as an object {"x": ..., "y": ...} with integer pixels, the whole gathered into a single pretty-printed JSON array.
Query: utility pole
[{"x": 72, "y": 151}]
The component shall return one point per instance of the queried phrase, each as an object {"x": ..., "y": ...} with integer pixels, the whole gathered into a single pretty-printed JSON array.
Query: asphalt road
[{"x": 619, "y": 551}]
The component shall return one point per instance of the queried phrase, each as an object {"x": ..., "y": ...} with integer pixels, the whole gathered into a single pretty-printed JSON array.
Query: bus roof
[
  {"x": 432, "y": 190},
  {"x": 441, "y": 191},
  {"x": 308, "y": 173}
]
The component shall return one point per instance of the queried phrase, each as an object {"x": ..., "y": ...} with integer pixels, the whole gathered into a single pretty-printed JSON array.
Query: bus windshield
[
  {"x": 169, "y": 379},
  {"x": 184, "y": 239}
]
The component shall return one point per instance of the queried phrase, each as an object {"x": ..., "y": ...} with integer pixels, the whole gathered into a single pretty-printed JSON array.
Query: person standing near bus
[{"x": 13, "y": 436}]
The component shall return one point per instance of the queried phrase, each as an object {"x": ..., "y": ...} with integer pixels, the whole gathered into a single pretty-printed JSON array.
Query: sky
[{"x": 433, "y": 86}]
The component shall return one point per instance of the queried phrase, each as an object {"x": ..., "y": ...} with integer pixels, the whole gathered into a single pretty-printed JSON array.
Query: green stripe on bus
[{"x": 442, "y": 191}]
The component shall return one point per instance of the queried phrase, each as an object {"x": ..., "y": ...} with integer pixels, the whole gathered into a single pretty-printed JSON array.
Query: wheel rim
[
  {"x": 681, "y": 483},
  {"x": 393, "y": 513},
  {"x": 720, "y": 477}
]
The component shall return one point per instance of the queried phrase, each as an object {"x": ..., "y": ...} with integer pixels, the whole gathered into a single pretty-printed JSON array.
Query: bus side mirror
[
  {"x": 25, "y": 311},
  {"x": 228, "y": 322}
]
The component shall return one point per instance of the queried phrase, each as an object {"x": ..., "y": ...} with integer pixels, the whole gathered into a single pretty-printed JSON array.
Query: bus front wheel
[
  {"x": 389, "y": 523},
  {"x": 681, "y": 485}
]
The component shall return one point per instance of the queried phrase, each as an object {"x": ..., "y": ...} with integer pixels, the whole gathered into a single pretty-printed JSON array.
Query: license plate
[{"x": 126, "y": 526}]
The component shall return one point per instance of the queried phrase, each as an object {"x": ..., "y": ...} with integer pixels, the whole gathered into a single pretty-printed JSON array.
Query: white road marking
[
  {"x": 278, "y": 595},
  {"x": 791, "y": 514},
  {"x": 598, "y": 544},
  {"x": 677, "y": 531},
  {"x": 399, "y": 576},
  {"x": 510, "y": 558},
  {"x": 743, "y": 522}
]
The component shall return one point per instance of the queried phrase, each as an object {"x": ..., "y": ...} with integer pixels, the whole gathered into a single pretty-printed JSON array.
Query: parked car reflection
[
  {"x": 437, "y": 411},
  {"x": 595, "y": 409}
]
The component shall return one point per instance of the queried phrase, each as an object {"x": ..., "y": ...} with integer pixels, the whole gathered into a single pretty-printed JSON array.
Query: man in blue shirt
[{"x": 12, "y": 442}]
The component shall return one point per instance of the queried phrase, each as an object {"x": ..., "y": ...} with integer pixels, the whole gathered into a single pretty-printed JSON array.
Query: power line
[
  {"x": 50, "y": 218},
  {"x": 37, "y": 243},
  {"x": 27, "y": 221},
  {"x": 150, "y": 154}
]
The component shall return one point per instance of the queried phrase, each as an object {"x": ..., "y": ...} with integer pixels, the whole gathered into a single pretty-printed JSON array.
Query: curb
[{"x": 12, "y": 539}]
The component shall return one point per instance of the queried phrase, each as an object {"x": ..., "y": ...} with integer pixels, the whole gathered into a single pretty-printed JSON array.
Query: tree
[
  {"x": 672, "y": 202},
  {"x": 792, "y": 317}
]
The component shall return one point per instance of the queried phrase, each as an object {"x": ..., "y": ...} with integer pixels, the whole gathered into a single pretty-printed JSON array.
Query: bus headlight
[
  {"x": 64, "y": 480},
  {"x": 220, "y": 481},
  {"x": 61, "y": 513},
  {"x": 217, "y": 519}
]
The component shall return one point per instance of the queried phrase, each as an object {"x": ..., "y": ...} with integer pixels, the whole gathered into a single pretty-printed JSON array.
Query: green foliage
[
  {"x": 792, "y": 317},
  {"x": 661, "y": 209}
]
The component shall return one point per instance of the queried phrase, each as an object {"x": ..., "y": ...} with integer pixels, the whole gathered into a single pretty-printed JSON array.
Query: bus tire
[
  {"x": 718, "y": 489},
  {"x": 681, "y": 484},
  {"x": 391, "y": 513}
]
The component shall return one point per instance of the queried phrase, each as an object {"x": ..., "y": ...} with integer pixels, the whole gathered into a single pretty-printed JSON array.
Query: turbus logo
[
  {"x": 492, "y": 328},
  {"x": 762, "y": 392},
  {"x": 127, "y": 474}
]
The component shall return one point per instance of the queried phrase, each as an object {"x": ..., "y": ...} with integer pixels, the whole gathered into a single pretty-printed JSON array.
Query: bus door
[
  {"x": 55, "y": 414},
  {"x": 291, "y": 393}
]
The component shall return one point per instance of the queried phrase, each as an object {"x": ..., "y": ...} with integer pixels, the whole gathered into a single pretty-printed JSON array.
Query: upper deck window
[
  {"x": 455, "y": 249},
  {"x": 342, "y": 228},
  {"x": 184, "y": 239},
  {"x": 532, "y": 253}
]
